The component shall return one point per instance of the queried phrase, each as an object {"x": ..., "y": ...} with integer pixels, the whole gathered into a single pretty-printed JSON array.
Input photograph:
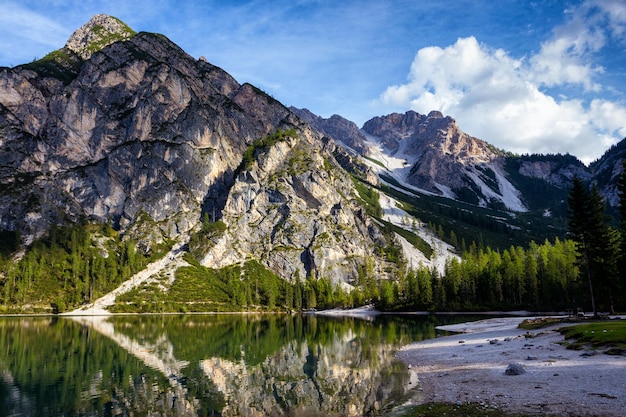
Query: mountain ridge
[
  {"x": 164, "y": 150},
  {"x": 151, "y": 140},
  {"x": 436, "y": 156}
]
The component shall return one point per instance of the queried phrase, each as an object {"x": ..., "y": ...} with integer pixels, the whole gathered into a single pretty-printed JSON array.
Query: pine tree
[
  {"x": 298, "y": 291},
  {"x": 604, "y": 249},
  {"x": 621, "y": 191},
  {"x": 579, "y": 201},
  {"x": 594, "y": 240}
]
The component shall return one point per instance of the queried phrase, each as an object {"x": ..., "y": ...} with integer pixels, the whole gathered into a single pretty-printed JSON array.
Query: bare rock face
[
  {"x": 557, "y": 171},
  {"x": 342, "y": 130},
  {"x": 142, "y": 128},
  {"x": 438, "y": 157},
  {"x": 145, "y": 137},
  {"x": 394, "y": 128},
  {"x": 290, "y": 210},
  {"x": 607, "y": 171}
]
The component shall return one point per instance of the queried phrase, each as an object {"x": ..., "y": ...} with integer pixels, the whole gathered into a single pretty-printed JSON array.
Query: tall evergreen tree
[
  {"x": 621, "y": 192},
  {"x": 579, "y": 202},
  {"x": 605, "y": 248},
  {"x": 595, "y": 244}
]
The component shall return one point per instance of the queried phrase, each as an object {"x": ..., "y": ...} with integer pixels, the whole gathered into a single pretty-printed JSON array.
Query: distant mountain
[
  {"x": 340, "y": 129},
  {"x": 607, "y": 170},
  {"x": 431, "y": 154}
]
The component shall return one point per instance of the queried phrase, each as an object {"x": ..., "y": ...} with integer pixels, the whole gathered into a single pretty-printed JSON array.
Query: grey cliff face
[
  {"x": 145, "y": 137},
  {"x": 142, "y": 128},
  {"x": 607, "y": 171},
  {"x": 336, "y": 127},
  {"x": 444, "y": 160},
  {"x": 441, "y": 148},
  {"x": 296, "y": 209},
  {"x": 553, "y": 172}
]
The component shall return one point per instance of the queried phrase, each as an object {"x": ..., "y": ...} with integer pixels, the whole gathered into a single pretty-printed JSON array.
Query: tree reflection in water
[{"x": 230, "y": 365}]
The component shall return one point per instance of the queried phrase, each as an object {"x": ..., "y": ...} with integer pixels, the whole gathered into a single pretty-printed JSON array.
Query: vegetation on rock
[{"x": 251, "y": 153}]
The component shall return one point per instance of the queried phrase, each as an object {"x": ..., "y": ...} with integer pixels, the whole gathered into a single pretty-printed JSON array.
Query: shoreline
[
  {"x": 365, "y": 311},
  {"x": 469, "y": 367}
]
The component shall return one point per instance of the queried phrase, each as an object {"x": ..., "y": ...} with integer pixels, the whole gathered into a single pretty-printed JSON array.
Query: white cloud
[
  {"x": 608, "y": 117},
  {"x": 615, "y": 10},
  {"x": 18, "y": 21},
  {"x": 504, "y": 100}
]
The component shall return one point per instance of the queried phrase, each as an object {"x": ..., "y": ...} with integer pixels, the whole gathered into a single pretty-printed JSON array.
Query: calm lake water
[{"x": 207, "y": 365}]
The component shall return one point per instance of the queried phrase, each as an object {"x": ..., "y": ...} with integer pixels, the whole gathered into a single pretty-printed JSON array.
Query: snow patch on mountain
[
  {"x": 397, "y": 164},
  {"x": 507, "y": 194},
  {"x": 442, "y": 251},
  {"x": 510, "y": 195}
]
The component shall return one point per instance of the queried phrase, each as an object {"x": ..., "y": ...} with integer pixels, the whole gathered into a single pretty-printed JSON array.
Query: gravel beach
[{"x": 472, "y": 367}]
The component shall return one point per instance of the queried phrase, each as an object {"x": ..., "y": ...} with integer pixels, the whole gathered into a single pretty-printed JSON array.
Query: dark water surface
[{"x": 207, "y": 365}]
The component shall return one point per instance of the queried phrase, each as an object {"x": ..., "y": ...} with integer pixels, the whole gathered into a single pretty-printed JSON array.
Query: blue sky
[{"x": 546, "y": 76}]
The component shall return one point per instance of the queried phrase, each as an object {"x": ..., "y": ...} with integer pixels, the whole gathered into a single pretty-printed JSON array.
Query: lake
[{"x": 208, "y": 365}]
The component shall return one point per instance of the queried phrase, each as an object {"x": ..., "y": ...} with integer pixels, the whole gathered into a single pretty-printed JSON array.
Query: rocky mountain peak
[
  {"x": 435, "y": 114},
  {"x": 340, "y": 129},
  {"x": 154, "y": 142},
  {"x": 101, "y": 30}
]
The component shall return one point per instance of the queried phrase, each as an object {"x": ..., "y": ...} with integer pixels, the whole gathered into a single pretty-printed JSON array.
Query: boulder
[{"x": 515, "y": 369}]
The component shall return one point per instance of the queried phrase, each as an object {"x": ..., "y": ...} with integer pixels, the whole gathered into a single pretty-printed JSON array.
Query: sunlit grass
[
  {"x": 610, "y": 334},
  {"x": 541, "y": 322}
]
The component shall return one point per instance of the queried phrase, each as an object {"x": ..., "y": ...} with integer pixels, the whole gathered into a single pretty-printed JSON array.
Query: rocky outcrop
[
  {"x": 440, "y": 147},
  {"x": 553, "y": 171},
  {"x": 440, "y": 158},
  {"x": 143, "y": 128},
  {"x": 607, "y": 171},
  {"x": 296, "y": 210},
  {"x": 102, "y": 30},
  {"x": 342, "y": 130}
]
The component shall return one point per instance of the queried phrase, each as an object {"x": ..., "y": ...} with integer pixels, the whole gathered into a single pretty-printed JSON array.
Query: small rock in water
[
  {"x": 515, "y": 369},
  {"x": 531, "y": 358},
  {"x": 493, "y": 341}
]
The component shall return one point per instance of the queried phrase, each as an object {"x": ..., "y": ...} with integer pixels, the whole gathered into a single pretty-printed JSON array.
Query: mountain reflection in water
[{"x": 199, "y": 365}]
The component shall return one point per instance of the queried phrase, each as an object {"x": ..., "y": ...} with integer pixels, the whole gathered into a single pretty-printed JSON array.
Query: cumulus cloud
[{"x": 511, "y": 102}]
